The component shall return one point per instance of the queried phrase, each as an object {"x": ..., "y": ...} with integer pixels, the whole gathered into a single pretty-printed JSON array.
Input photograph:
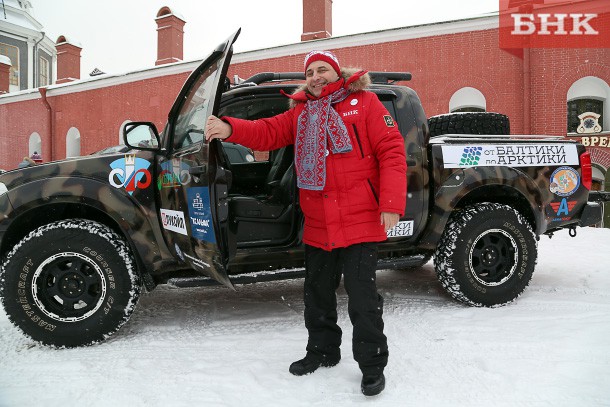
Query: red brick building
[{"x": 456, "y": 65}]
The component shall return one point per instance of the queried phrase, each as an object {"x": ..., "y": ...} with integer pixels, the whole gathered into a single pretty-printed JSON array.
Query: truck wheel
[
  {"x": 486, "y": 255},
  {"x": 69, "y": 283},
  {"x": 469, "y": 123}
]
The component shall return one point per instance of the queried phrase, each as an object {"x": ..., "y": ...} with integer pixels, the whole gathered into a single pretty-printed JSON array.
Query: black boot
[
  {"x": 310, "y": 364},
  {"x": 373, "y": 384}
]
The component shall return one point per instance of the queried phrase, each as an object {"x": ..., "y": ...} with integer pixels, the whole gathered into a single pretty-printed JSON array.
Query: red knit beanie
[{"x": 325, "y": 56}]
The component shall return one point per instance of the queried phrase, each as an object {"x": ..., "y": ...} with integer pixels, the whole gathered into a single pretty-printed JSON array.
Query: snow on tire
[
  {"x": 486, "y": 255},
  {"x": 69, "y": 283}
]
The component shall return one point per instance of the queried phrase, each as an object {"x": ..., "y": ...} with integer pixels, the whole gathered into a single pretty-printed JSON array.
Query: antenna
[{"x": 4, "y": 8}]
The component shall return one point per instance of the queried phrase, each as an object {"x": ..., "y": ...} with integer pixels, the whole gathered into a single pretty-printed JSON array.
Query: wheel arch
[
  {"x": 494, "y": 190},
  {"x": 34, "y": 211},
  {"x": 503, "y": 194}
]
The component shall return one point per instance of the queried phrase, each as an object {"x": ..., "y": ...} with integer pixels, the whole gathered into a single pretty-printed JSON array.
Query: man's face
[{"x": 318, "y": 75}]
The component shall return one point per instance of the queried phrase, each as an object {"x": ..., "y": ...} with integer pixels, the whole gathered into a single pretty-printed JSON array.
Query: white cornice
[
  {"x": 101, "y": 81},
  {"x": 377, "y": 37},
  {"x": 18, "y": 31}
]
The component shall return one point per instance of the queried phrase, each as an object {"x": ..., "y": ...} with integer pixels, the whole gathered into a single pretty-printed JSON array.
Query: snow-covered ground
[{"x": 214, "y": 347}]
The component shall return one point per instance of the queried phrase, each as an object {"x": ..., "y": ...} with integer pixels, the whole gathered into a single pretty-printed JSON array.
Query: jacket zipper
[
  {"x": 358, "y": 140},
  {"x": 373, "y": 190}
]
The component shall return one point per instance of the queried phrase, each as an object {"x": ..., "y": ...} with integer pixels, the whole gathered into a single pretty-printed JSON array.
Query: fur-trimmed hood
[{"x": 359, "y": 84}]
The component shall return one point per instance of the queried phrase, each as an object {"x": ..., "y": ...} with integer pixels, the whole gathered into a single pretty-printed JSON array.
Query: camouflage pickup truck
[{"x": 81, "y": 238}]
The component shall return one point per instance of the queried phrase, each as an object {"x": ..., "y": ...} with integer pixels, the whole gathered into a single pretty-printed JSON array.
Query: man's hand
[
  {"x": 389, "y": 220},
  {"x": 216, "y": 128}
]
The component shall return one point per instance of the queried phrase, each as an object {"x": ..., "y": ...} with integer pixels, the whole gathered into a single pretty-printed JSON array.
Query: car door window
[
  {"x": 255, "y": 108},
  {"x": 190, "y": 123}
]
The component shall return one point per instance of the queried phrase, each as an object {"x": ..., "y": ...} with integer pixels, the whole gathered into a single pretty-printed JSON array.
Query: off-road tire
[
  {"x": 69, "y": 283},
  {"x": 486, "y": 255},
  {"x": 469, "y": 123}
]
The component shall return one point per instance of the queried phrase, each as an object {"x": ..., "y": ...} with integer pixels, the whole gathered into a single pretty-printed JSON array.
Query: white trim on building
[{"x": 376, "y": 37}]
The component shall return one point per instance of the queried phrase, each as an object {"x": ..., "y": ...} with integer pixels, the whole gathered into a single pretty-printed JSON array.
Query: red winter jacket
[{"x": 359, "y": 184}]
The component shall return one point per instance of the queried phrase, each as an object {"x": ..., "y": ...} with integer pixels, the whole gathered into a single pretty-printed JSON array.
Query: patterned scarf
[{"x": 319, "y": 127}]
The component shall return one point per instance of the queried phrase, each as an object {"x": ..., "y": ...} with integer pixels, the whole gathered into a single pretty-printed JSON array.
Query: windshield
[{"x": 190, "y": 124}]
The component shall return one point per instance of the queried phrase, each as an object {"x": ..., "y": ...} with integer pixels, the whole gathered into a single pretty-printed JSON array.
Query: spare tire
[{"x": 469, "y": 123}]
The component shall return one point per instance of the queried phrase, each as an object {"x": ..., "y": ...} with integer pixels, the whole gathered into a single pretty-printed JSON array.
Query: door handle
[{"x": 198, "y": 170}]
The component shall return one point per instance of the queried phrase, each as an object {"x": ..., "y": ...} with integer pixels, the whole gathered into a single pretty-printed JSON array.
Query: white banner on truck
[{"x": 509, "y": 155}]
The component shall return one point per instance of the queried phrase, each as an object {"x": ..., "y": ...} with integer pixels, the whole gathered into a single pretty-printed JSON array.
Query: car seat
[{"x": 269, "y": 219}]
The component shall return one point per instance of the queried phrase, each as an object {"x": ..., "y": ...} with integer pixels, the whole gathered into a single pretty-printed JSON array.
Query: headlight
[{"x": 3, "y": 189}]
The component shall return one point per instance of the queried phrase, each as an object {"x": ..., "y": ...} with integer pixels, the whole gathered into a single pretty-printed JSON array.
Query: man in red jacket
[{"x": 351, "y": 173}]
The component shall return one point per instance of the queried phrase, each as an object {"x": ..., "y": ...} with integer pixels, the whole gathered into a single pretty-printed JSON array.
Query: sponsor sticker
[
  {"x": 174, "y": 221},
  {"x": 130, "y": 173},
  {"x": 517, "y": 155},
  {"x": 174, "y": 174},
  {"x": 200, "y": 215},
  {"x": 554, "y": 24},
  {"x": 561, "y": 210},
  {"x": 402, "y": 228},
  {"x": 564, "y": 181},
  {"x": 389, "y": 121}
]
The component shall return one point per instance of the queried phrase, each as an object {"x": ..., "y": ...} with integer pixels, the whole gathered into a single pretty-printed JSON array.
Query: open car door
[{"x": 193, "y": 185}]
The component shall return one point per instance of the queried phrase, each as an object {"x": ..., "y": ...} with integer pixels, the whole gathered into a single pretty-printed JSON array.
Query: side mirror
[{"x": 141, "y": 136}]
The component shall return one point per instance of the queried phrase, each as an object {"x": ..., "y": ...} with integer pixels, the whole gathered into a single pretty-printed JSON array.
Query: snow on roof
[
  {"x": 63, "y": 39},
  {"x": 166, "y": 12},
  {"x": 18, "y": 13}
]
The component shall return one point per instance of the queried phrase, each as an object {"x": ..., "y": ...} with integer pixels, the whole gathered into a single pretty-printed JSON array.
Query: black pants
[{"x": 357, "y": 264}]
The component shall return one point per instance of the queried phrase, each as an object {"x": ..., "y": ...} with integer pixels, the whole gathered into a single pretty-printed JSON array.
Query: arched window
[
  {"x": 588, "y": 95},
  {"x": 73, "y": 143},
  {"x": 467, "y": 100},
  {"x": 34, "y": 144}
]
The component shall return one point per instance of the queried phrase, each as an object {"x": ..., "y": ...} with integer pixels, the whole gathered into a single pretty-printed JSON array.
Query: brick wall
[{"x": 440, "y": 65}]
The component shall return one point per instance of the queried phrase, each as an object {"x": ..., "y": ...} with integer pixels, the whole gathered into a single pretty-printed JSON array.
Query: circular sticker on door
[{"x": 564, "y": 181}]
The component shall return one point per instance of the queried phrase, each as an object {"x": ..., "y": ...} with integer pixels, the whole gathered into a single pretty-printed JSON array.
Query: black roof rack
[
  {"x": 389, "y": 77},
  {"x": 376, "y": 77}
]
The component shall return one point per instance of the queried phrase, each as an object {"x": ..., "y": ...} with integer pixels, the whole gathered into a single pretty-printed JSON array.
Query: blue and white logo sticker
[
  {"x": 200, "y": 214},
  {"x": 130, "y": 172}
]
